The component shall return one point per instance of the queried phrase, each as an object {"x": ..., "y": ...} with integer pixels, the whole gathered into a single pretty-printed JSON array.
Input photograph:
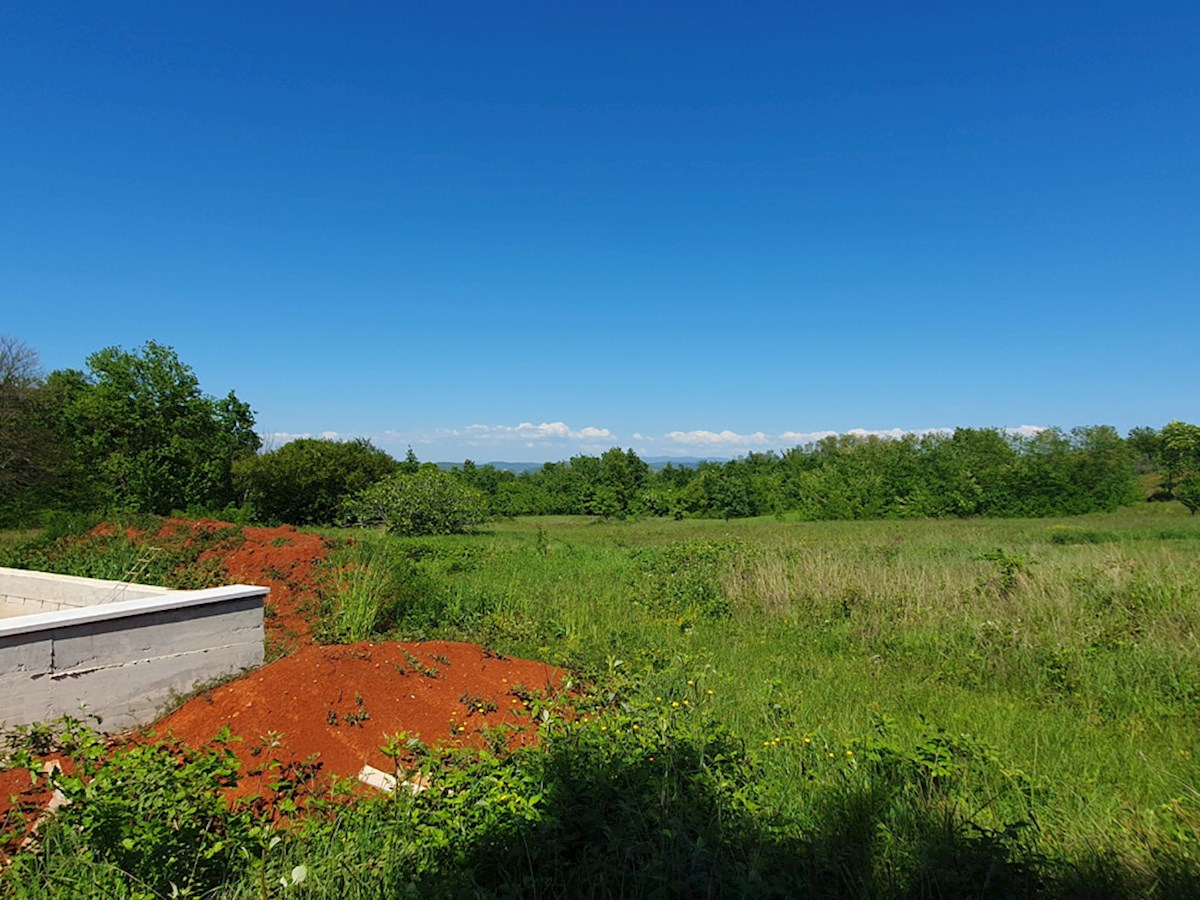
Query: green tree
[
  {"x": 1180, "y": 452},
  {"x": 618, "y": 483},
  {"x": 428, "y": 501},
  {"x": 32, "y": 456},
  {"x": 1103, "y": 469},
  {"x": 148, "y": 437},
  {"x": 1146, "y": 445},
  {"x": 307, "y": 481},
  {"x": 1187, "y": 491}
]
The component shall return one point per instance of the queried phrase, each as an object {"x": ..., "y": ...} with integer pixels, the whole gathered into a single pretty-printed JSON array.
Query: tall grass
[
  {"x": 1069, "y": 645},
  {"x": 371, "y": 585}
]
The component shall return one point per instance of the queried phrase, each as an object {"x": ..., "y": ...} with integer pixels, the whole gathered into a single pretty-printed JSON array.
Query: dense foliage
[
  {"x": 873, "y": 709},
  {"x": 306, "y": 481},
  {"x": 967, "y": 472},
  {"x": 31, "y": 458},
  {"x": 427, "y": 501},
  {"x": 133, "y": 432}
]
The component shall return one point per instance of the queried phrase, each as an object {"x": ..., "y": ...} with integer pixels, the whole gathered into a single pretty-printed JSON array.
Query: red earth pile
[
  {"x": 338, "y": 705},
  {"x": 283, "y": 559},
  {"x": 326, "y": 710}
]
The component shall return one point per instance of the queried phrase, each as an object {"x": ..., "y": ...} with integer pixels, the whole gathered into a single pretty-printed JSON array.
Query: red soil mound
[
  {"x": 341, "y": 702},
  {"x": 282, "y": 559}
]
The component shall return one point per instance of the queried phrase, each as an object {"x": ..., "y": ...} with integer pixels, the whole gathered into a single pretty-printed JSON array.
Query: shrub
[
  {"x": 305, "y": 482},
  {"x": 428, "y": 501}
]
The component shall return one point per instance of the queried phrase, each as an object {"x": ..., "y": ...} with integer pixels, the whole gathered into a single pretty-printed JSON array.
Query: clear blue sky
[{"x": 638, "y": 224}]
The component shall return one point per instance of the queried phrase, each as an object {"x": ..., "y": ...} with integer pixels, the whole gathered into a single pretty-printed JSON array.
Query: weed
[
  {"x": 686, "y": 577},
  {"x": 475, "y": 703},
  {"x": 359, "y": 714},
  {"x": 420, "y": 667},
  {"x": 1010, "y": 571}
]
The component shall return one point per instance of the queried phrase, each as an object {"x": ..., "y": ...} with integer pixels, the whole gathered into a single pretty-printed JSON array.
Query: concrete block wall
[
  {"x": 23, "y": 592},
  {"x": 124, "y": 661}
]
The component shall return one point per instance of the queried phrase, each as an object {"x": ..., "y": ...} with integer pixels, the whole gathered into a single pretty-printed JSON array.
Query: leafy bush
[
  {"x": 428, "y": 501},
  {"x": 1073, "y": 534},
  {"x": 151, "y": 816},
  {"x": 625, "y": 796},
  {"x": 305, "y": 482},
  {"x": 1188, "y": 492}
]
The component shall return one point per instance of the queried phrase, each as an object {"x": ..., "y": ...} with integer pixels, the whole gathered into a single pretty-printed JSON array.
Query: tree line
[
  {"x": 968, "y": 472},
  {"x": 134, "y": 431}
]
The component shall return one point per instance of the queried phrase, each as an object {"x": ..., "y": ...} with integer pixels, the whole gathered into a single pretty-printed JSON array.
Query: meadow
[
  {"x": 1068, "y": 645},
  {"x": 891, "y": 708}
]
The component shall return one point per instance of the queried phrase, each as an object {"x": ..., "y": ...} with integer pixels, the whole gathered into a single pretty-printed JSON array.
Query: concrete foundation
[{"x": 75, "y": 646}]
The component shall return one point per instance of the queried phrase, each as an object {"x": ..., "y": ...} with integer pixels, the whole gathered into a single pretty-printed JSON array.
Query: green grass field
[
  {"x": 1068, "y": 646},
  {"x": 917, "y": 708}
]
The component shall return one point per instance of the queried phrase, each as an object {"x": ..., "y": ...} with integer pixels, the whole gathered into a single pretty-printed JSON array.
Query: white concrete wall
[
  {"x": 124, "y": 660},
  {"x": 23, "y": 592}
]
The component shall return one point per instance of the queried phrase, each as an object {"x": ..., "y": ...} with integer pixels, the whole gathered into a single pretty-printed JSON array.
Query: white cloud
[
  {"x": 1026, "y": 430},
  {"x": 792, "y": 438},
  {"x": 725, "y": 438},
  {"x": 527, "y": 431},
  {"x": 892, "y": 433},
  {"x": 272, "y": 439}
]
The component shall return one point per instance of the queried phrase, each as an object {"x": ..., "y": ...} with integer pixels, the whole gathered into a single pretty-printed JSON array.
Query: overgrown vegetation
[
  {"x": 134, "y": 432},
  {"x": 989, "y": 708},
  {"x": 307, "y": 481},
  {"x": 969, "y": 472},
  {"x": 145, "y": 549}
]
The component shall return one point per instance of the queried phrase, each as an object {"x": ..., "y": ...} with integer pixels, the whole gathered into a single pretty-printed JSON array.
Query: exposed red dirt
[
  {"x": 282, "y": 559},
  {"x": 342, "y": 702},
  {"x": 21, "y": 802},
  {"x": 24, "y": 802},
  {"x": 286, "y": 561}
]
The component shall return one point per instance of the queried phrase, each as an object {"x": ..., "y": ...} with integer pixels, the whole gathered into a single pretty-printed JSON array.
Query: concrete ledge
[
  {"x": 125, "y": 660},
  {"x": 23, "y": 591},
  {"x": 163, "y": 601}
]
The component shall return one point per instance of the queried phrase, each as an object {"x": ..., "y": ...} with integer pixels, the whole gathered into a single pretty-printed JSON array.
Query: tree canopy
[
  {"x": 306, "y": 481},
  {"x": 133, "y": 430},
  {"x": 149, "y": 438},
  {"x": 31, "y": 457},
  {"x": 428, "y": 501}
]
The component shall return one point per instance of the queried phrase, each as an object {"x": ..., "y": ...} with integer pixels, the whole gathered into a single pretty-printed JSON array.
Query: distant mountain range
[{"x": 654, "y": 462}]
